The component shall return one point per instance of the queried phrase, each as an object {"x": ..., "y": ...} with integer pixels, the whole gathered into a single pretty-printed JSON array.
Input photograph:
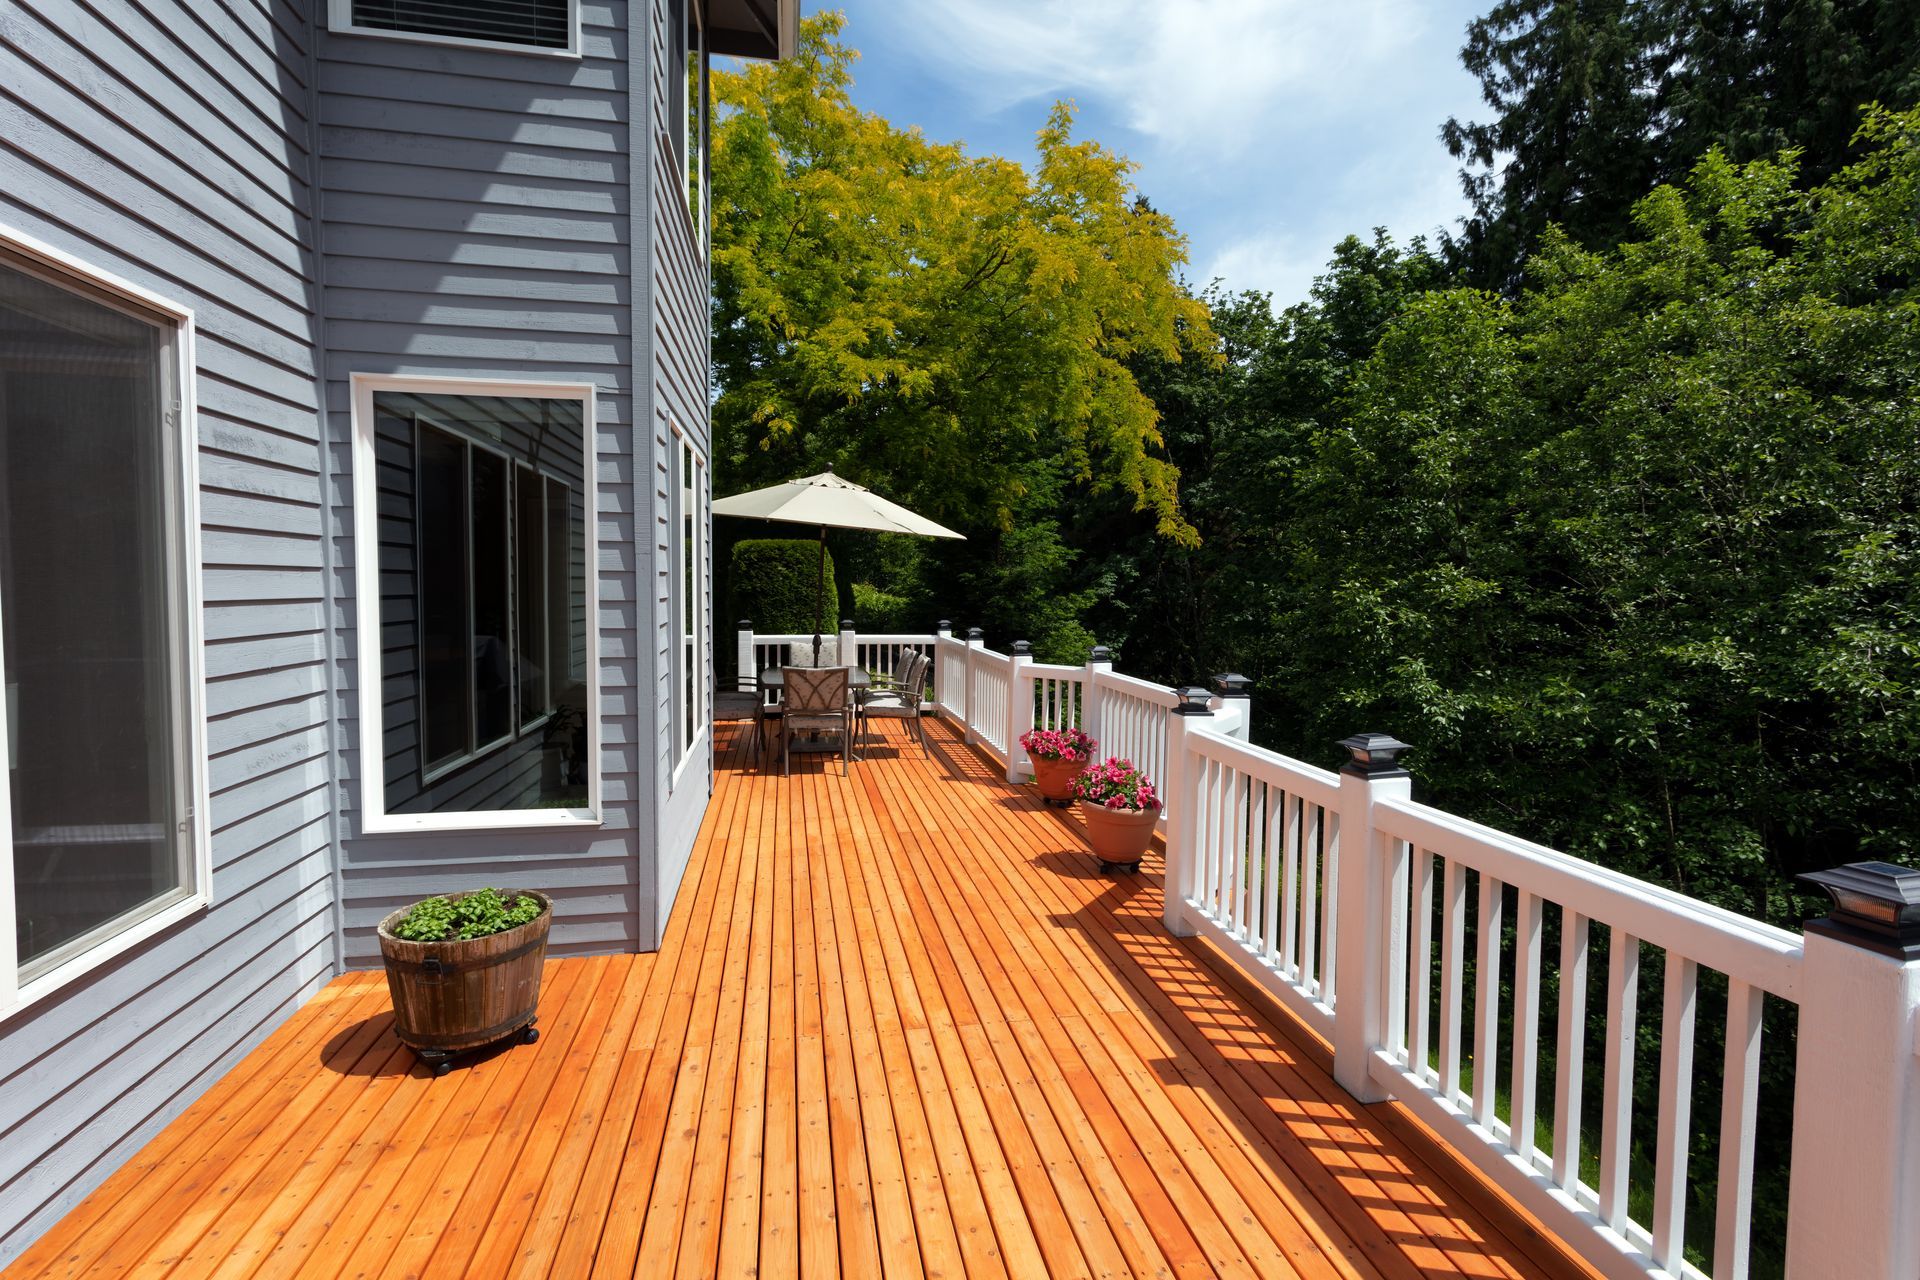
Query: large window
[
  {"x": 102, "y": 809},
  {"x": 475, "y": 498},
  {"x": 691, "y": 701},
  {"x": 527, "y": 26}
]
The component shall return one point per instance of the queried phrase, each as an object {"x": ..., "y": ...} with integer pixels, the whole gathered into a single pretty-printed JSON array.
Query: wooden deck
[{"x": 899, "y": 1026}]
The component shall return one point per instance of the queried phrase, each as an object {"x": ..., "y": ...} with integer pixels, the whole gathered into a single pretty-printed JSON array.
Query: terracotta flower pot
[
  {"x": 1055, "y": 776},
  {"x": 1119, "y": 836}
]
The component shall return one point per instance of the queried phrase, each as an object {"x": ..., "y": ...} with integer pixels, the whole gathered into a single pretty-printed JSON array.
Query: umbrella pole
[{"x": 820, "y": 596}]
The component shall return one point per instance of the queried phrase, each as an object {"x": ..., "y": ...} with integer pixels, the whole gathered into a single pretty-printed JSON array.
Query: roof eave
[{"x": 761, "y": 29}]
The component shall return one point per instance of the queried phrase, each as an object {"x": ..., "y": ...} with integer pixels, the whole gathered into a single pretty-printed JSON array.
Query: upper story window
[
  {"x": 102, "y": 811},
  {"x": 533, "y": 26}
]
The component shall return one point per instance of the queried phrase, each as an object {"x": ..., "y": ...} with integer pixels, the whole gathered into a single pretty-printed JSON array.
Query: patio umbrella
[{"x": 828, "y": 502}]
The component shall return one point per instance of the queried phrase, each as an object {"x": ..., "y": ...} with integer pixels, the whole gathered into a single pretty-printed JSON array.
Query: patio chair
[
  {"x": 817, "y": 701},
  {"x": 886, "y": 680},
  {"x": 902, "y": 701},
  {"x": 745, "y": 701}
]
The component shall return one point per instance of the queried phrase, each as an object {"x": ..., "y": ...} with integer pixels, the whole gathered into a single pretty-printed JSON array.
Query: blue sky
[{"x": 1269, "y": 129}]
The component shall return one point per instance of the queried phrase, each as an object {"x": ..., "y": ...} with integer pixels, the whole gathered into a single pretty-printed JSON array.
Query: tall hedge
[{"x": 773, "y": 582}]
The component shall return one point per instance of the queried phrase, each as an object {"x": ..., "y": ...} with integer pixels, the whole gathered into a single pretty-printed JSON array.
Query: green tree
[
  {"x": 1596, "y": 101},
  {"x": 1240, "y": 429},
  {"x": 954, "y": 329}
]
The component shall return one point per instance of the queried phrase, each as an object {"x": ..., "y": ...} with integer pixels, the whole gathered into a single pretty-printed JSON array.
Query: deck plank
[{"x": 899, "y": 1025}]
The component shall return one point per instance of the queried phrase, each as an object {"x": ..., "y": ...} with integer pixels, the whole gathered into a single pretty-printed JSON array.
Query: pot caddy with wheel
[
  {"x": 1120, "y": 807},
  {"x": 464, "y": 971}
]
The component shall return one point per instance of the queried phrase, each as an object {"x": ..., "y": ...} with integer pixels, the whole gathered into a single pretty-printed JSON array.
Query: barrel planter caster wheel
[
  {"x": 442, "y": 1067},
  {"x": 529, "y": 1035}
]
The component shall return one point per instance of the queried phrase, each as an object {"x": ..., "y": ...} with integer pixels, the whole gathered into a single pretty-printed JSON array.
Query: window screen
[
  {"x": 96, "y": 764},
  {"x": 543, "y": 24}
]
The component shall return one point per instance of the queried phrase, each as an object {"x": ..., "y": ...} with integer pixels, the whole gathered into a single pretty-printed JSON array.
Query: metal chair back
[{"x": 813, "y": 691}]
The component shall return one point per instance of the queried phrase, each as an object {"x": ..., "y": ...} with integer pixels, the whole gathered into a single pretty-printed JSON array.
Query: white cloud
[
  {"x": 1417, "y": 194},
  {"x": 1210, "y": 76}
]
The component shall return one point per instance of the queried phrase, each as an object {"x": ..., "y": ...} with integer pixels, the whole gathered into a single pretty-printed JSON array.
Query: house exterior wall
[
  {"x": 330, "y": 205},
  {"x": 169, "y": 143},
  {"x": 476, "y": 222}
]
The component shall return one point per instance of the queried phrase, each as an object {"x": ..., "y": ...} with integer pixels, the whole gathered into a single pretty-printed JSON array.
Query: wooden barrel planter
[{"x": 450, "y": 997}]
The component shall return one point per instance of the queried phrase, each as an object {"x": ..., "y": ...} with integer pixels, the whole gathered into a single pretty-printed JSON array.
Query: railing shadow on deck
[{"x": 1259, "y": 1064}]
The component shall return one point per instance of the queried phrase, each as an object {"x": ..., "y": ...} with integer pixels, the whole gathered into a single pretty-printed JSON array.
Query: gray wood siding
[
  {"x": 678, "y": 323},
  {"x": 330, "y": 205},
  {"x": 168, "y": 143},
  {"x": 477, "y": 222}
]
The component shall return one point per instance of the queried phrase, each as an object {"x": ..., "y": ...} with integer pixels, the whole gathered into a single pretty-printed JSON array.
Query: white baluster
[
  {"x": 1486, "y": 1000},
  {"x": 1674, "y": 1130},
  {"x": 1453, "y": 945},
  {"x": 1616, "y": 1108},
  {"x": 1570, "y": 1049},
  {"x": 1526, "y": 1023},
  {"x": 1733, "y": 1206}
]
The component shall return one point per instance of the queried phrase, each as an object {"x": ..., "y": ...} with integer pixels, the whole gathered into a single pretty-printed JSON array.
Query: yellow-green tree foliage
[{"x": 952, "y": 328}]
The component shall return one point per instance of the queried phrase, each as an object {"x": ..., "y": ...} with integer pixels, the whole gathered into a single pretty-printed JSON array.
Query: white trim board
[{"x": 373, "y": 816}]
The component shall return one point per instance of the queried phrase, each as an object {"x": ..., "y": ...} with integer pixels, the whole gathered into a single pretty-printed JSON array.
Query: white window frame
[
  {"x": 194, "y": 844},
  {"x": 680, "y": 443},
  {"x": 340, "y": 22},
  {"x": 374, "y": 818}
]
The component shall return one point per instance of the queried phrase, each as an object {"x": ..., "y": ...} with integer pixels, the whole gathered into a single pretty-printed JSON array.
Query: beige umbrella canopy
[{"x": 828, "y": 502}]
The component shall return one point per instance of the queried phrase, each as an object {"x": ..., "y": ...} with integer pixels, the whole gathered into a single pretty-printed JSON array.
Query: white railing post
[
  {"x": 1019, "y": 710},
  {"x": 1181, "y": 795},
  {"x": 1099, "y": 663},
  {"x": 1240, "y": 689},
  {"x": 749, "y": 670},
  {"x": 849, "y": 643},
  {"x": 1369, "y": 915},
  {"x": 975, "y": 640},
  {"x": 938, "y": 652},
  {"x": 1856, "y": 1102}
]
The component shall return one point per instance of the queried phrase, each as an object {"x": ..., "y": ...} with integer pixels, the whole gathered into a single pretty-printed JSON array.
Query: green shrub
[
  {"x": 881, "y": 611},
  {"x": 774, "y": 584},
  {"x": 476, "y": 915}
]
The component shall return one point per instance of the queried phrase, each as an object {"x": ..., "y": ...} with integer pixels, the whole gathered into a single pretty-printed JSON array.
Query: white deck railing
[{"x": 1372, "y": 917}]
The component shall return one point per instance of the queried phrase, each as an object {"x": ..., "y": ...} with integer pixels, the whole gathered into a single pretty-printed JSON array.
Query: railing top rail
[
  {"x": 1054, "y": 669},
  {"x": 785, "y": 637},
  {"x": 990, "y": 654},
  {"x": 1749, "y": 950},
  {"x": 1159, "y": 694},
  {"x": 894, "y": 637},
  {"x": 1320, "y": 786}
]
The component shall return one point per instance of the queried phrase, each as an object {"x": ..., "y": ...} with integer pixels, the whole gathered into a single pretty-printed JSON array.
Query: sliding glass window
[
  {"x": 484, "y": 703},
  {"x": 95, "y": 632}
]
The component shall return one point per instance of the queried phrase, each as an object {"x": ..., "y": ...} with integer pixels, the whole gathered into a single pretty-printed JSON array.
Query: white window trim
[
  {"x": 184, "y": 587},
  {"x": 700, "y": 744},
  {"x": 374, "y": 818},
  {"x": 340, "y": 22}
]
